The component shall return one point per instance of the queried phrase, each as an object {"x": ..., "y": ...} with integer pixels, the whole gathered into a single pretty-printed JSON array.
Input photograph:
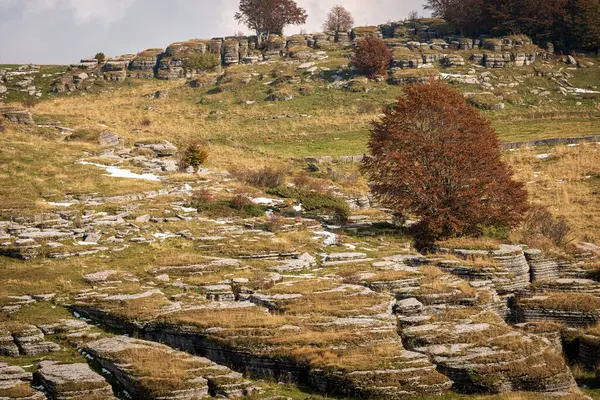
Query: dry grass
[
  {"x": 567, "y": 302},
  {"x": 567, "y": 183},
  {"x": 241, "y": 318}
]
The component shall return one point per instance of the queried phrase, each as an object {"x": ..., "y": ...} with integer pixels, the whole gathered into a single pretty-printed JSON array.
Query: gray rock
[
  {"x": 3, "y": 89},
  {"x": 164, "y": 149},
  {"x": 72, "y": 381},
  {"x": 109, "y": 139},
  {"x": 92, "y": 238}
]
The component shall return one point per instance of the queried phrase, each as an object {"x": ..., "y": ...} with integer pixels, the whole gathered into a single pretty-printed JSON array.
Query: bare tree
[
  {"x": 338, "y": 20},
  {"x": 269, "y": 16},
  {"x": 413, "y": 15}
]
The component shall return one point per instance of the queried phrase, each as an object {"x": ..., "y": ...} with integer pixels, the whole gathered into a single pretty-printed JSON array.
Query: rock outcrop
[{"x": 72, "y": 381}]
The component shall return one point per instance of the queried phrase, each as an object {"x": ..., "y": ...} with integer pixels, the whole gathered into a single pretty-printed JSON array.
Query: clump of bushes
[
  {"x": 314, "y": 202},
  {"x": 266, "y": 177},
  {"x": 202, "y": 62},
  {"x": 372, "y": 57},
  {"x": 194, "y": 155},
  {"x": 239, "y": 206},
  {"x": 540, "y": 222}
]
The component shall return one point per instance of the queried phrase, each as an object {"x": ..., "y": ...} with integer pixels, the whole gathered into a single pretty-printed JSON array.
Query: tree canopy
[
  {"x": 338, "y": 20},
  {"x": 434, "y": 157},
  {"x": 267, "y": 17}
]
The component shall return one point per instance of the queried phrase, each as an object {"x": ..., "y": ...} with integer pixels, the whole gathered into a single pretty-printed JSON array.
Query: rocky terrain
[{"x": 125, "y": 275}]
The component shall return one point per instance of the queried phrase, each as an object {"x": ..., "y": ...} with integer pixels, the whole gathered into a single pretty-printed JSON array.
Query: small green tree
[{"x": 100, "y": 57}]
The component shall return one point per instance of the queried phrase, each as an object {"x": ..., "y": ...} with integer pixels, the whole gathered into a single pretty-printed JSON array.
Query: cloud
[{"x": 83, "y": 11}]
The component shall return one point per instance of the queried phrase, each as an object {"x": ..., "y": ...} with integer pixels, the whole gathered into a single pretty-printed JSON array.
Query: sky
[{"x": 64, "y": 31}]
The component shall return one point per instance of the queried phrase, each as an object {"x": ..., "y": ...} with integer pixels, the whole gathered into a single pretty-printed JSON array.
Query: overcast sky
[{"x": 63, "y": 31}]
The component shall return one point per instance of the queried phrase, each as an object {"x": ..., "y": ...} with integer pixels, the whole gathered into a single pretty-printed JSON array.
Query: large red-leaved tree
[
  {"x": 436, "y": 158},
  {"x": 372, "y": 56},
  {"x": 269, "y": 16}
]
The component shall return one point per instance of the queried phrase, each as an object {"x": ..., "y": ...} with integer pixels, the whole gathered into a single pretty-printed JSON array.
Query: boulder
[
  {"x": 109, "y": 139},
  {"x": 162, "y": 149}
]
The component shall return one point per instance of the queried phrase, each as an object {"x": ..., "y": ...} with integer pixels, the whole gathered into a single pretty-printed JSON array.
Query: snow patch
[
  {"x": 117, "y": 172},
  {"x": 543, "y": 156},
  {"x": 330, "y": 238}
]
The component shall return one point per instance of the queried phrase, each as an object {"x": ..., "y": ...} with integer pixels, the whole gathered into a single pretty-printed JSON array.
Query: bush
[
  {"x": 372, "y": 57},
  {"x": 202, "y": 62},
  {"x": 201, "y": 198},
  {"x": 366, "y": 107},
  {"x": 266, "y": 177},
  {"x": 436, "y": 158},
  {"x": 195, "y": 155},
  {"x": 540, "y": 221},
  {"x": 100, "y": 57},
  {"x": 30, "y": 102},
  {"x": 314, "y": 202}
]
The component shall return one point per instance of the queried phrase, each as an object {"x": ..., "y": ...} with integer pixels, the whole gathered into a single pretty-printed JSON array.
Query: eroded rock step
[
  {"x": 72, "y": 382},
  {"x": 15, "y": 383},
  {"x": 150, "y": 370},
  {"x": 351, "y": 347}
]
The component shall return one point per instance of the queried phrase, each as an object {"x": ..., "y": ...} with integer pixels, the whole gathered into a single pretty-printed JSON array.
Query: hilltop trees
[
  {"x": 435, "y": 157},
  {"x": 372, "y": 56},
  {"x": 338, "y": 20},
  {"x": 269, "y": 16},
  {"x": 571, "y": 24}
]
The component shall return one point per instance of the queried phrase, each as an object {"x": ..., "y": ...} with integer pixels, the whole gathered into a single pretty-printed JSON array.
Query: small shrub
[
  {"x": 30, "y": 102},
  {"x": 200, "y": 198},
  {"x": 540, "y": 221},
  {"x": 242, "y": 203},
  {"x": 265, "y": 178},
  {"x": 202, "y": 62},
  {"x": 85, "y": 135},
  {"x": 366, "y": 107},
  {"x": 100, "y": 57},
  {"x": 494, "y": 231},
  {"x": 146, "y": 122},
  {"x": 372, "y": 56},
  {"x": 194, "y": 155},
  {"x": 314, "y": 201}
]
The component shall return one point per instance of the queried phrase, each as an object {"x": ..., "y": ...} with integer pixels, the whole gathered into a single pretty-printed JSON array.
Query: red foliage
[
  {"x": 435, "y": 157},
  {"x": 372, "y": 57}
]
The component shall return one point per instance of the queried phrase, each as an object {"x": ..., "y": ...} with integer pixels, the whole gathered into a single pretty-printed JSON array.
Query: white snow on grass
[
  {"x": 51, "y": 203},
  {"x": 265, "y": 201},
  {"x": 329, "y": 237},
  {"x": 117, "y": 172},
  {"x": 543, "y": 156},
  {"x": 580, "y": 90}
]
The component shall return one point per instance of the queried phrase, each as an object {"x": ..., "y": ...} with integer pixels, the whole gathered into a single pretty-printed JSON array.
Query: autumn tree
[
  {"x": 338, "y": 20},
  {"x": 434, "y": 157},
  {"x": 584, "y": 24},
  {"x": 372, "y": 56},
  {"x": 267, "y": 17}
]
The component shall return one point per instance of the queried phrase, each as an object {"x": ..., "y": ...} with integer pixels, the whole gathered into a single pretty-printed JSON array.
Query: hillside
[{"x": 272, "y": 273}]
